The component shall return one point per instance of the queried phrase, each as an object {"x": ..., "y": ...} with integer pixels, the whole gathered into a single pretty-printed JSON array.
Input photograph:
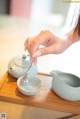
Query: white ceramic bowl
[
  {"x": 34, "y": 82},
  {"x": 66, "y": 85}
]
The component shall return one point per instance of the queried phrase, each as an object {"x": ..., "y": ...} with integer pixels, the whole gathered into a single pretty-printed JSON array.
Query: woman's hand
[{"x": 51, "y": 42}]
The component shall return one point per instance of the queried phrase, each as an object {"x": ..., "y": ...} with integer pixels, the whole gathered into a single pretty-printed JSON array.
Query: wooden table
[{"x": 12, "y": 36}]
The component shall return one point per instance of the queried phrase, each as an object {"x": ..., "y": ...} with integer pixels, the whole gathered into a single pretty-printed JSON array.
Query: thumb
[{"x": 44, "y": 51}]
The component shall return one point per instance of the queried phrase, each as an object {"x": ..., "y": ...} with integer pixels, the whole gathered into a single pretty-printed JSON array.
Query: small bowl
[
  {"x": 34, "y": 82},
  {"x": 66, "y": 85}
]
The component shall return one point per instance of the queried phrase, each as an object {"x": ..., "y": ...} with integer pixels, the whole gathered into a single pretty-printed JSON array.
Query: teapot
[{"x": 20, "y": 64}]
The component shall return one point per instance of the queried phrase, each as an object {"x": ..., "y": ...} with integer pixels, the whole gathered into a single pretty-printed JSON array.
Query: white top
[
  {"x": 76, "y": 14},
  {"x": 72, "y": 17}
]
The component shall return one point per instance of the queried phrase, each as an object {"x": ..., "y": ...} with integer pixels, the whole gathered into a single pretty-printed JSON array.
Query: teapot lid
[{"x": 22, "y": 61}]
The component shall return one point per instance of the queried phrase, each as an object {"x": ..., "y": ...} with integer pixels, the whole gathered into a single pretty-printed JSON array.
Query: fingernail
[{"x": 36, "y": 54}]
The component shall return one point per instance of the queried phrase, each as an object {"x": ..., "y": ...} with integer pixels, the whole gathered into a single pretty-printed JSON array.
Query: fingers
[
  {"x": 27, "y": 43},
  {"x": 32, "y": 45},
  {"x": 45, "y": 51}
]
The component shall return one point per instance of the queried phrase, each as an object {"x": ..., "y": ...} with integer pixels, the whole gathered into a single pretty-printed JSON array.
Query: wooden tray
[{"x": 46, "y": 98}]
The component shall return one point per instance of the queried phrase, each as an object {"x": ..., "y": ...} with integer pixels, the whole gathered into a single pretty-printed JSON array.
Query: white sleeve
[
  {"x": 75, "y": 16},
  {"x": 72, "y": 17}
]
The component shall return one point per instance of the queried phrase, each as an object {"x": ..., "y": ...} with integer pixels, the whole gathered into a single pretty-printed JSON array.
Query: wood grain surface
[{"x": 46, "y": 98}]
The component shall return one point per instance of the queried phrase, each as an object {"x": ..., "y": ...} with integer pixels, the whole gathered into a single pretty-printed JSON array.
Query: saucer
[{"x": 30, "y": 89}]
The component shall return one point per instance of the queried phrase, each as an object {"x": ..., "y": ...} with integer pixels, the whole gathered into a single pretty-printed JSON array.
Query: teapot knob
[{"x": 24, "y": 56}]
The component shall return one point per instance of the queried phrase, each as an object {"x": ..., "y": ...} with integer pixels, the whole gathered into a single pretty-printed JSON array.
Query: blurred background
[{"x": 52, "y": 12}]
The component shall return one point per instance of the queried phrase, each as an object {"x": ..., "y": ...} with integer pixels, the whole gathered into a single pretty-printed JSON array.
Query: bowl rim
[
  {"x": 61, "y": 72},
  {"x": 26, "y": 90}
]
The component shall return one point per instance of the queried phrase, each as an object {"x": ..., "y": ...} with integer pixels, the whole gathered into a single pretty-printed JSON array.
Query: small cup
[{"x": 33, "y": 88}]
